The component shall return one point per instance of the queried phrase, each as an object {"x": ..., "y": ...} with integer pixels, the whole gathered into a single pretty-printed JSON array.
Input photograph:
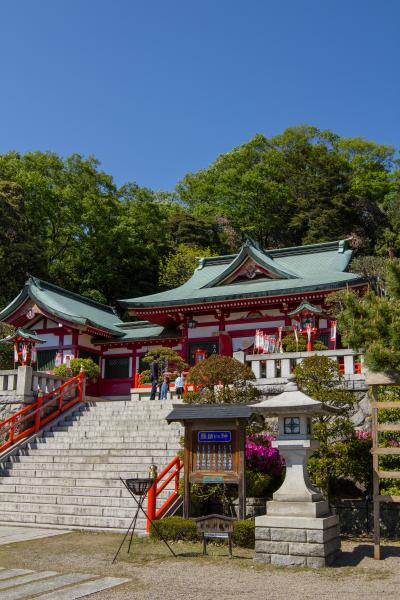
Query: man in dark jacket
[{"x": 154, "y": 376}]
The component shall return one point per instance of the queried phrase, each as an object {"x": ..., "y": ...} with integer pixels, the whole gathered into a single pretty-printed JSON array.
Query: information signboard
[{"x": 214, "y": 436}]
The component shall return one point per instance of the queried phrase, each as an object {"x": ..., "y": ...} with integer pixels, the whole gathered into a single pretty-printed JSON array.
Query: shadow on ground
[{"x": 353, "y": 557}]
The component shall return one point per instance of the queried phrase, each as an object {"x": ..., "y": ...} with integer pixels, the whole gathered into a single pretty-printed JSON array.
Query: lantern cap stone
[{"x": 292, "y": 401}]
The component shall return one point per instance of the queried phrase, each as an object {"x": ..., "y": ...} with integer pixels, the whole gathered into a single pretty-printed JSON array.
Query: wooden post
[
  {"x": 186, "y": 462},
  {"x": 375, "y": 467},
  {"x": 242, "y": 471}
]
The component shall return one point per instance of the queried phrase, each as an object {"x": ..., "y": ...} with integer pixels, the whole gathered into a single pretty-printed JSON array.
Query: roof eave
[{"x": 232, "y": 297}]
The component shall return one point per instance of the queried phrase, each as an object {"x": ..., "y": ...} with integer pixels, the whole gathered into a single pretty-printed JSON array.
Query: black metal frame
[{"x": 139, "y": 487}]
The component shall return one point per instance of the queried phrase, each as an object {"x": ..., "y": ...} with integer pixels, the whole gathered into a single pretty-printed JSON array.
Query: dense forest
[{"x": 65, "y": 220}]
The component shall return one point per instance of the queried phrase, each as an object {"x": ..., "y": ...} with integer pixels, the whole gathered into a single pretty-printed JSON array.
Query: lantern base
[
  {"x": 297, "y": 541},
  {"x": 297, "y": 509}
]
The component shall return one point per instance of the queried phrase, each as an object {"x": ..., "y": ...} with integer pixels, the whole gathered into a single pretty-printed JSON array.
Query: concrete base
[{"x": 297, "y": 541}]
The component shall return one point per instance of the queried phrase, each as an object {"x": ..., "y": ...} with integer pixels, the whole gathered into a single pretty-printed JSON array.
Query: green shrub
[
  {"x": 89, "y": 366},
  {"x": 257, "y": 483},
  {"x": 291, "y": 345},
  {"x": 244, "y": 533},
  {"x": 178, "y": 528},
  {"x": 175, "y": 528}
]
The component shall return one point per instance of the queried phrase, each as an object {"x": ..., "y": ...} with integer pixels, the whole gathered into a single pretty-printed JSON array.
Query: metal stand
[{"x": 139, "y": 487}]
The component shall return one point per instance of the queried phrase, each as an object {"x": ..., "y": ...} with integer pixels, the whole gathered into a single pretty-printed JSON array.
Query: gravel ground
[{"x": 157, "y": 576}]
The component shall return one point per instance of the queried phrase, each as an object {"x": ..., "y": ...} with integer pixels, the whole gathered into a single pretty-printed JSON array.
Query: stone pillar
[
  {"x": 349, "y": 364},
  {"x": 24, "y": 383},
  {"x": 271, "y": 370},
  {"x": 256, "y": 368}
]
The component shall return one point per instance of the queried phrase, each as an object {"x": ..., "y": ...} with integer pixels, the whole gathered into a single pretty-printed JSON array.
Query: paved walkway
[
  {"x": 23, "y": 584},
  {"x": 9, "y": 534}
]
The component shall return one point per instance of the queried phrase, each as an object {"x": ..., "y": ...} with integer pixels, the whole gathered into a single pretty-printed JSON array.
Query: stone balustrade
[
  {"x": 274, "y": 369},
  {"x": 8, "y": 382},
  {"x": 22, "y": 384}
]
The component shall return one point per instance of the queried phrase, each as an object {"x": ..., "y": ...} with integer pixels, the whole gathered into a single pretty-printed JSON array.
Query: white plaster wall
[
  {"x": 85, "y": 340},
  {"x": 201, "y": 332},
  {"x": 251, "y": 325},
  {"x": 38, "y": 325},
  {"x": 205, "y": 318},
  {"x": 112, "y": 351},
  {"x": 67, "y": 339},
  {"x": 50, "y": 338},
  {"x": 51, "y": 323},
  {"x": 242, "y": 343}
]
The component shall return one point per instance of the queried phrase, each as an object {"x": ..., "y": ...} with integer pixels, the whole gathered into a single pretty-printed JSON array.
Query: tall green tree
[
  {"x": 302, "y": 186},
  {"x": 372, "y": 322},
  {"x": 20, "y": 250}
]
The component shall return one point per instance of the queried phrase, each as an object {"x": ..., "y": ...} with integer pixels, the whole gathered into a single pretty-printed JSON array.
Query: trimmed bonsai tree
[{"x": 168, "y": 360}]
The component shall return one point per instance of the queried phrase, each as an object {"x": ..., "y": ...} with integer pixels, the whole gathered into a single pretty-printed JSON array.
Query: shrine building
[{"x": 218, "y": 310}]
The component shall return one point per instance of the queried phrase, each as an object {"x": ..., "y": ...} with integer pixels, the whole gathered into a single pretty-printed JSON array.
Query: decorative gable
[
  {"x": 249, "y": 270},
  {"x": 251, "y": 264}
]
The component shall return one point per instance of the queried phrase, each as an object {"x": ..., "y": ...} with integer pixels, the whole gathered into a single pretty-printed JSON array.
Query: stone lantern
[{"x": 298, "y": 528}]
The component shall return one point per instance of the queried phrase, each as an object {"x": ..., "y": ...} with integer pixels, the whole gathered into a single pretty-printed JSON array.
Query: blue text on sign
[{"x": 214, "y": 436}]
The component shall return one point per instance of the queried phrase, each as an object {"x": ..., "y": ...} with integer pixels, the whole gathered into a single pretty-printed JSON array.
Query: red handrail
[
  {"x": 173, "y": 468},
  {"x": 15, "y": 428}
]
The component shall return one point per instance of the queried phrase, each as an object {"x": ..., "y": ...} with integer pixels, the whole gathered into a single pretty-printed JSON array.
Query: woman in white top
[{"x": 179, "y": 386}]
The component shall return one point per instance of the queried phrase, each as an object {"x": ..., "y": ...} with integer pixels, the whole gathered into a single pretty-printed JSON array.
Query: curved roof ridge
[{"x": 40, "y": 283}]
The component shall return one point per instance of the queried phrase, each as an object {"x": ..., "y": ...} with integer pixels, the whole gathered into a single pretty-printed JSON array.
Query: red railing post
[
  {"x": 12, "y": 427},
  {"x": 177, "y": 469},
  {"x": 136, "y": 381},
  {"x": 151, "y": 505},
  {"x": 38, "y": 409}
]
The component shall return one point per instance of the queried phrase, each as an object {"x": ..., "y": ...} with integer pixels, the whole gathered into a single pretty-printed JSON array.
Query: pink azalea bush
[
  {"x": 363, "y": 435},
  {"x": 261, "y": 457}
]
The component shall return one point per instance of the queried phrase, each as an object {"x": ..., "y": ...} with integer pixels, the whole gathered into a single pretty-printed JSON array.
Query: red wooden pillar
[
  {"x": 224, "y": 339},
  {"x": 185, "y": 344},
  {"x": 134, "y": 355}
]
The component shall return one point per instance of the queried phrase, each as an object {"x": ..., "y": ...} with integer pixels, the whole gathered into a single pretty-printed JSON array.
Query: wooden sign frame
[{"x": 236, "y": 475}]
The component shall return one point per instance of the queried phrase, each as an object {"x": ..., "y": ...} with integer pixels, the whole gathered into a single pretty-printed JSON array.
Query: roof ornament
[{"x": 250, "y": 242}]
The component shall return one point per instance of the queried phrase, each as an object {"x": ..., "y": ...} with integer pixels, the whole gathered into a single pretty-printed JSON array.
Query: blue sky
[{"x": 157, "y": 88}]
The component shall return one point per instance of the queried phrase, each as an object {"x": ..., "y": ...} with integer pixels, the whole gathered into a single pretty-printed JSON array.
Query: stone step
[
  {"x": 60, "y": 454},
  {"x": 107, "y": 445},
  {"x": 28, "y": 468},
  {"x": 70, "y": 478},
  {"x": 65, "y": 473},
  {"x": 105, "y": 459},
  {"x": 68, "y": 509},
  {"x": 70, "y": 521},
  {"x": 54, "y": 498},
  {"x": 95, "y": 437},
  {"x": 53, "y": 488}
]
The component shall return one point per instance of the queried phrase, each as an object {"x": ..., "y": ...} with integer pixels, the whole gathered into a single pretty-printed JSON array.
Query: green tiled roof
[
  {"x": 80, "y": 310},
  {"x": 300, "y": 269},
  {"x": 23, "y": 333},
  {"x": 66, "y": 305}
]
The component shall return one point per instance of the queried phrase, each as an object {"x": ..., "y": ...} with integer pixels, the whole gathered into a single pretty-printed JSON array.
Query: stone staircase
[{"x": 70, "y": 478}]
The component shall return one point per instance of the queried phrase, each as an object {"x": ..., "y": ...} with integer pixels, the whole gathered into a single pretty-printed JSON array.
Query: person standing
[
  {"x": 164, "y": 388},
  {"x": 179, "y": 386},
  {"x": 154, "y": 373}
]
